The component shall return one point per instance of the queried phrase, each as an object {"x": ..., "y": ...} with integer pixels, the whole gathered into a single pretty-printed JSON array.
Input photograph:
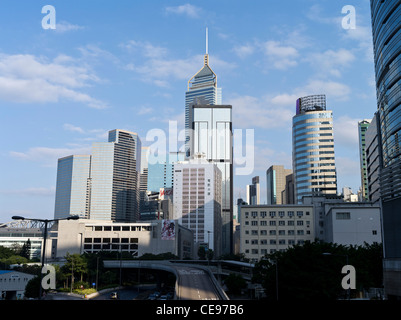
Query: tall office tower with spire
[
  {"x": 202, "y": 89},
  {"x": 386, "y": 29},
  {"x": 362, "y": 128},
  {"x": 115, "y": 175},
  {"x": 313, "y": 158}
]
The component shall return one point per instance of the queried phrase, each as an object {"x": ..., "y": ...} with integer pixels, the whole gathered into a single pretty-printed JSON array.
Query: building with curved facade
[
  {"x": 313, "y": 158},
  {"x": 386, "y": 31}
]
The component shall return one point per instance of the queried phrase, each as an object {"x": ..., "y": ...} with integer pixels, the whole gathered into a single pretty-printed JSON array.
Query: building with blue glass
[
  {"x": 104, "y": 185},
  {"x": 386, "y": 31},
  {"x": 161, "y": 174},
  {"x": 314, "y": 168},
  {"x": 73, "y": 187}
]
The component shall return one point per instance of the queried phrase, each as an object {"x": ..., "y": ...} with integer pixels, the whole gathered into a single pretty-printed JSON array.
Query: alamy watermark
[{"x": 348, "y": 21}]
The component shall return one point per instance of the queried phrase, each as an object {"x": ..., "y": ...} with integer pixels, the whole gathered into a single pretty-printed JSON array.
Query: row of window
[
  {"x": 265, "y": 251},
  {"x": 271, "y": 242},
  {"x": 273, "y": 232},
  {"x": 272, "y": 214},
  {"x": 120, "y": 228},
  {"x": 273, "y": 223}
]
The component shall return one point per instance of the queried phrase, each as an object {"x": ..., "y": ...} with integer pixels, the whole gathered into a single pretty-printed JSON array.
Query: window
[
  {"x": 300, "y": 223},
  {"x": 272, "y": 223},
  {"x": 254, "y": 223},
  {"x": 300, "y": 213},
  {"x": 374, "y": 232},
  {"x": 272, "y": 214},
  {"x": 290, "y": 213},
  {"x": 254, "y": 214},
  {"x": 343, "y": 215},
  {"x": 281, "y": 214},
  {"x": 263, "y": 214}
]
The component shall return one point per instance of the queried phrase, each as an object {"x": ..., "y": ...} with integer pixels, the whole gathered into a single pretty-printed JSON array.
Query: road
[{"x": 195, "y": 284}]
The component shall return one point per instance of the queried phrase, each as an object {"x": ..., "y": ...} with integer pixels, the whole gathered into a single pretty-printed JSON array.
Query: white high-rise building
[{"x": 197, "y": 201}]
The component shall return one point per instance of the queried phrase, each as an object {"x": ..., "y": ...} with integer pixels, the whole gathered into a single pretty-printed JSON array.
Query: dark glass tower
[{"x": 386, "y": 30}]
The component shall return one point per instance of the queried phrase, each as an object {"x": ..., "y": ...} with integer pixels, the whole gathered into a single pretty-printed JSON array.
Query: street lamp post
[{"x": 45, "y": 221}]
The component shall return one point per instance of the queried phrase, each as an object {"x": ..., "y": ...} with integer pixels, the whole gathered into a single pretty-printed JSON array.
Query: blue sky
[{"x": 125, "y": 65}]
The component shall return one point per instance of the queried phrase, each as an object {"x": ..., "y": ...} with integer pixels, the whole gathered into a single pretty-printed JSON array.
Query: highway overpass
[{"x": 193, "y": 282}]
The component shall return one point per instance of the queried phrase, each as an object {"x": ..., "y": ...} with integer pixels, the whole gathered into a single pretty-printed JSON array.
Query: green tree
[
  {"x": 26, "y": 250},
  {"x": 235, "y": 283},
  {"x": 32, "y": 288},
  {"x": 313, "y": 271},
  {"x": 202, "y": 252}
]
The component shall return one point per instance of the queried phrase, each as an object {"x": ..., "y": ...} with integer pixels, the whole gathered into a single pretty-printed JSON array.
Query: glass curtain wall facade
[
  {"x": 212, "y": 138},
  {"x": 386, "y": 31},
  {"x": 313, "y": 149},
  {"x": 73, "y": 187},
  {"x": 202, "y": 89},
  {"x": 276, "y": 182},
  {"x": 115, "y": 177},
  {"x": 161, "y": 175}
]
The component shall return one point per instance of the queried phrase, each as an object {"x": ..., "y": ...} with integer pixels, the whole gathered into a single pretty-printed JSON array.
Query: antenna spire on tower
[{"x": 207, "y": 42}]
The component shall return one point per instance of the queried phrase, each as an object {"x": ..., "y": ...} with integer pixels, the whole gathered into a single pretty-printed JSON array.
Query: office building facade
[
  {"x": 115, "y": 175},
  {"x": 197, "y": 201},
  {"x": 386, "y": 30},
  {"x": 212, "y": 137},
  {"x": 276, "y": 182},
  {"x": 253, "y": 191},
  {"x": 266, "y": 229},
  {"x": 373, "y": 159},
  {"x": 161, "y": 174},
  {"x": 313, "y": 157},
  {"x": 362, "y": 128},
  {"x": 104, "y": 185},
  {"x": 73, "y": 187}
]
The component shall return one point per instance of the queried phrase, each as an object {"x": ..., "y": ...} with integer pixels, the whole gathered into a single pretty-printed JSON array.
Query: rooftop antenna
[{"x": 207, "y": 42}]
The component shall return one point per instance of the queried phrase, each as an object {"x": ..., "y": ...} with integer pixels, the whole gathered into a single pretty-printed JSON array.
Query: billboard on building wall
[
  {"x": 168, "y": 230},
  {"x": 166, "y": 193}
]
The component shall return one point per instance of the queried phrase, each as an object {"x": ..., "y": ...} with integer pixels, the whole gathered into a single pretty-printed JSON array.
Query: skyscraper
[
  {"x": 161, "y": 175},
  {"x": 386, "y": 30},
  {"x": 313, "y": 148},
  {"x": 253, "y": 191},
  {"x": 276, "y": 181},
  {"x": 362, "y": 128},
  {"x": 212, "y": 137},
  {"x": 73, "y": 187},
  {"x": 197, "y": 200},
  {"x": 115, "y": 174},
  {"x": 202, "y": 89}
]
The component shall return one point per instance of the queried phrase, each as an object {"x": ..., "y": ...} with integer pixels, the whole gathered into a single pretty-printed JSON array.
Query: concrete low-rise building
[
  {"x": 353, "y": 223},
  {"x": 12, "y": 284},
  {"x": 266, "y": 229},
  {"x": 156, "y": 236}
]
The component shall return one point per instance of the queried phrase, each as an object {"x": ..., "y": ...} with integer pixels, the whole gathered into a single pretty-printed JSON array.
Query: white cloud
[
  {"x": 49, "y": 156},
  {"x": 244, "y": 50},
  {"x": 64, "y": 26},
  {"x": 281, "y": 56},
  {"x": 331, "y": 62},
  {"x": 252, "y": 112},
  {"x": 39, "y": 191},
  {"x": 29, "y": 79},
  {"x": 160, "y": 70},
  {"x": 185, "y": 9},
  {"x": 346, "y": 132}
]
